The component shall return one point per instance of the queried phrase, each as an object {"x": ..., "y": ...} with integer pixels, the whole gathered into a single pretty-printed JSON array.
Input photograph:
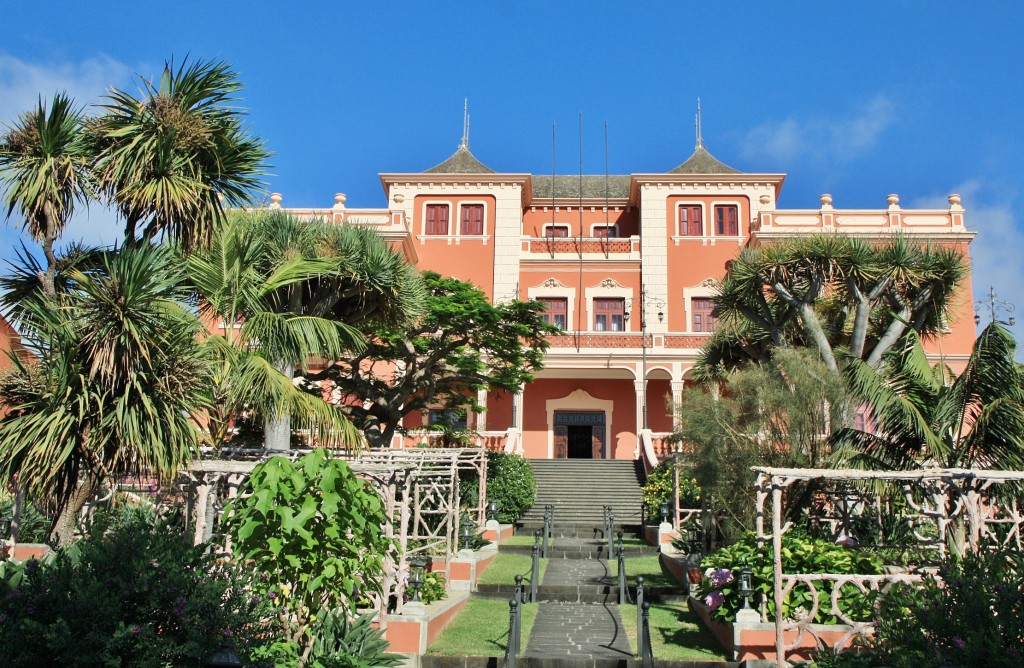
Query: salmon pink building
[{"x": 627, "y": 266}]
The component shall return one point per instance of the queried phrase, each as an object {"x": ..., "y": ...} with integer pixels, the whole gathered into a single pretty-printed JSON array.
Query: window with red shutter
[
  {"x": 727, "y": 220},
  {"x": 556, "y": 231},
  {"x": 555, "y": 311},
  {"x": 605, "y": 231},
  {"x": 609, "y": 315},
  {"x": 690, "y": 222},
  {"x": 702, "y": 317},
  {"x": 472, "y": 219},
  {"x": 437, "y": 219}
]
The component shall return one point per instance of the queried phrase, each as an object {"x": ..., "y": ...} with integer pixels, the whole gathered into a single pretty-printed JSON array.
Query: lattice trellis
[
  {"x": 982, "y": 506},
  {"x": 420, "y": 490}
]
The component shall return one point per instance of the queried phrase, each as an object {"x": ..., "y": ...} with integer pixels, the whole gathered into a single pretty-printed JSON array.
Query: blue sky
[{"x": 856, "y": 99}]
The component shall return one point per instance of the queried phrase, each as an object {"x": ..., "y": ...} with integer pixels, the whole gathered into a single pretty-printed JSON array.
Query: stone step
[
  {"x": 580, "y": 552},
  {"x": 600, "y": 593}
]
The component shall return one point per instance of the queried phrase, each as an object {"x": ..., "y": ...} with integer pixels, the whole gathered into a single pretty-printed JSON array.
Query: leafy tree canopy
[
  {"x": 831, "y": 292},
  {"x": 461, "y": 345},
  {"x": 923, "y": 415}
]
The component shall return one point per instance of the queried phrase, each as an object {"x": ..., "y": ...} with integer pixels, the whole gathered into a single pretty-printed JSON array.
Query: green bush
[
  {"x": 800, "y": 555},
  {"x": 658, "y": 489},
  {"x": 970, "y": 616},
  {"x": 343, "y": 642},
  {"x": 510, "y": 481},
  {"x": 35, "y": 526},
  {"x": 315, "y": 533},
  {"x": 131, "y": 593},
  {"x": 434, "y": 588}
]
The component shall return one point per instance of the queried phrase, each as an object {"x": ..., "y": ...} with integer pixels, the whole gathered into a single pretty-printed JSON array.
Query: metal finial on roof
[
  {"x": 697, "y": 125},
  {"x": 465, "y": 124}
]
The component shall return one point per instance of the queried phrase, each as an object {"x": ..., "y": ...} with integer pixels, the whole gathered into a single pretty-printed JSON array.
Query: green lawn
[
  {"x": 521, "y": 539},
  {"x": 676, "y": 633},
  {"x": 505, "y": 567},
  {"x": 649, "y": 566},
  {"x": 481, "y": 629}
]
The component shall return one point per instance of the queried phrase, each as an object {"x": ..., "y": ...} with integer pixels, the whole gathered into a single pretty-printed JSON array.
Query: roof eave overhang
[
  {"x": 489, "y": 178},
  {"x": 741, "y": 179}
]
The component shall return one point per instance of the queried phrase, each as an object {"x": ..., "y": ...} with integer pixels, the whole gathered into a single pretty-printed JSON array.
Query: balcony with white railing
[
  {"x": 592, "y": 248},
  {"x": 933, "y": 223},
  {"x": 627, "y": 341}
]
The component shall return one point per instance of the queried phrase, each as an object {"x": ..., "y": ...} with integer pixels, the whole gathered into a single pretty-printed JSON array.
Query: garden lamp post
[
  {"x": 746, "y": 586},
  {"x": 467, "y": 536},
  {"x": 646, "y": 300},
  {"x": 416, "y": 577},
  {"x": 693, "y": 537},
  {"x": 492, "y": 510},
  {"x": 223, "y": 658},
  {"x": 664, "y": 513}
]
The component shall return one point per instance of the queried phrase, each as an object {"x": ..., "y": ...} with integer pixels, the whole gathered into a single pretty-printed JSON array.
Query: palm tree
[
  {"x": 286, "y": 293},
  {"x": 44, "y": 171},
  {"x": 925, "y": 416},
  {"x": 118, "y": 385},
  {"x": 172, "y": 157}
]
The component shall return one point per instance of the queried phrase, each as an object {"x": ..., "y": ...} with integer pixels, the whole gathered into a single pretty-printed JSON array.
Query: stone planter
[{"x": 755, "y": 641}]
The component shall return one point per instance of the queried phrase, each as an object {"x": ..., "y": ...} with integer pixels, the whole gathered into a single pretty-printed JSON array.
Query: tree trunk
[
  {"x": 62, "y": 532},
  {"x": 277, "y": 428}
]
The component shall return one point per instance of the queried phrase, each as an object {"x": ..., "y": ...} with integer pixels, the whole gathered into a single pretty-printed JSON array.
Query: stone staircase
[{"x": 579, "y": 488}]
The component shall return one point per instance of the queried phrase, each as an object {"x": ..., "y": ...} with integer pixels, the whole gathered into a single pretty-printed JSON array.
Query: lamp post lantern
[
  {"x": 417, "y": 565},
  {"x": 646, "y": 300},
  {"x": 994, "y": 306},
  {"x": 746, "y": 586}
]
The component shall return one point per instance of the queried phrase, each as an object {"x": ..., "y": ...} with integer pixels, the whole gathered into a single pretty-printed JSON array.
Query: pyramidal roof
[
  {"x": 702, "y": 162},
  {"x": 461, "y": 162}
]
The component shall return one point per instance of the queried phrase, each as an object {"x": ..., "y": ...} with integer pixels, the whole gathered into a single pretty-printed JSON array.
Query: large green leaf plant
[{"x": 316, "y": 535}]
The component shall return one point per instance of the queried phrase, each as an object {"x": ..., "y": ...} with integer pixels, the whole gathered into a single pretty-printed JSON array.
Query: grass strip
[
  {"x": 651, "y": 568},
  {"x": 481, "y": 629},
  {"x": 505, "y": 567},
  {"x": 676, "y": 633}
]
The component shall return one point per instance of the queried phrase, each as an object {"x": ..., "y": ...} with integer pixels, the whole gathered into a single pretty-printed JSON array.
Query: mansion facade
[{"x": 627, "y": 266}]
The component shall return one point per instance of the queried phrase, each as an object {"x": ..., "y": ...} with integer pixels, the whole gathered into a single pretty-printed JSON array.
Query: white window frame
[
  {"x": 713, "y": 232},
  {"x": 598, "y": 291},
  {"x": 423, "y": 218},
  {"x": 560, "y": 292},
  {"x": 699, "y": 291},
  {"x": 458, "y": 230},
  {"x": 544, "y": 230},
  {"x": 705, "y": 233},
  {"x": 612, "y": 226}
]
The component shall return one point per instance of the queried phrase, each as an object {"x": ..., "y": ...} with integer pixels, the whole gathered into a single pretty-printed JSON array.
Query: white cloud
[
  {"x": 22, "y": 83},
  {"x": 821, "y": 139},
  {"x": 995, "y": 252}
]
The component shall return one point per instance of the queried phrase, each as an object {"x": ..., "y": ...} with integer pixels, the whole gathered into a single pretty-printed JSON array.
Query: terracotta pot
[{"x": 694, "y": 575}]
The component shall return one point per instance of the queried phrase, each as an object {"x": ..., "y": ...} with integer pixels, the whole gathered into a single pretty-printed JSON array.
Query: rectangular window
[
  {"x": 556, "y": 231},
  {"x": 609, "y": 315},
  {"x": 452, "y": 419},
  {"x": 606, "y": 231},
  {"x": 472, "y": 219},
  {"x": 556, "y": 311},
  {"x": 690, "y": 222},
  {"x": 703, "y": 314},
  {"x": 727, "y": 220},
  {"x": 437, "y": 219}
]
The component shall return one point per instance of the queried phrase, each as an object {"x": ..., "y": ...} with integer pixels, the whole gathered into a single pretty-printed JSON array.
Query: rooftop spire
[
  {"x": 465, "y": 124},
  {"x": 697, "y": 127}
]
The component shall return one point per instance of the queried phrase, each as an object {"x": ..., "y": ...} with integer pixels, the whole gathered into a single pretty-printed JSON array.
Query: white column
[
  {"x": 677, "y": 398},
  {"x": 638, "y": 386},
  {"x": 481, "y": 418}
]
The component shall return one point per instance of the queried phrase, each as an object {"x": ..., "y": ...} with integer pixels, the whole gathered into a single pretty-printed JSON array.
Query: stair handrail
[{"x": 650, "y": 457}]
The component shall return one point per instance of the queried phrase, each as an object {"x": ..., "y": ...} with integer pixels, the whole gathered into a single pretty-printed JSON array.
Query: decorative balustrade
[{"x": 589, "y": 245}]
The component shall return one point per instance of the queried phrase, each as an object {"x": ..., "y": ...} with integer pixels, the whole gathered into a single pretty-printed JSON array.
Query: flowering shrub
[
  {"x": 800, "y": 554},
  {"x": 658, "y": 489},
  {"x": 434, "y": 588}
]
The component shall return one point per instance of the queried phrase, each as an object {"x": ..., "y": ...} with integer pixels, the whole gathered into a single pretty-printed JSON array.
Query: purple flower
[
  {"x": 721, "y": 576},
  {"x": 271, "y": 596},
  {"x": 135, "y": 630},
  {"x": 714, "y": 599},
  {"x": 959, "y": 642}
]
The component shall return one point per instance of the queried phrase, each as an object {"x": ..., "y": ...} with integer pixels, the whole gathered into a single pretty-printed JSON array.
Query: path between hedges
[{"x": 577, "y": 630}]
